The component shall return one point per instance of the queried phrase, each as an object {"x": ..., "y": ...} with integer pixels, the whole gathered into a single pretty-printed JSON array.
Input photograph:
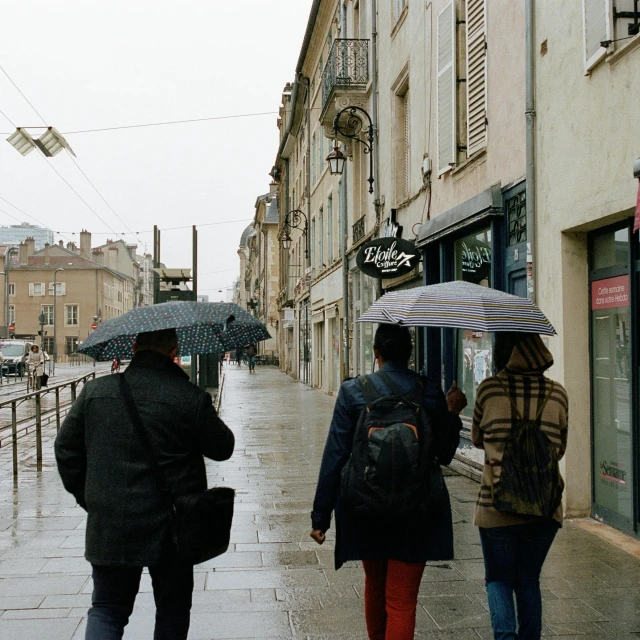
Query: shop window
[
  {"x": 611, "y": 349},
  {"x": 516, "y": 208},
  {"x": 474, "y": 353}
]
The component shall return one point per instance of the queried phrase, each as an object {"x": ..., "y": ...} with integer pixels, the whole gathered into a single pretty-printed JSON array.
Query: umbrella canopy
[
  {"x": 202, "y": 327},
  {"x": 460, "y": 305}
]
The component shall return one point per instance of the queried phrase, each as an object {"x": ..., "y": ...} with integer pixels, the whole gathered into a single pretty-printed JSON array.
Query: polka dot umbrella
[{"x": 202, "y": 327}]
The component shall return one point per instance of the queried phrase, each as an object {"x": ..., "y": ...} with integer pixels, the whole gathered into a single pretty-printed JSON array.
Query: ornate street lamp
[
  {"x": 350, "y": 126},
  {"x": 296, "y": 219}
]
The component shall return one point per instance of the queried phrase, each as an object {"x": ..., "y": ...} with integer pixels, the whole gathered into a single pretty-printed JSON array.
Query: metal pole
[
  {"x": 73, "y": 391},
  {"x": 55, "y": 318},
  {"x": 38, "y": 430},
  {"x": 57, "y": 409},
  {"x": 14, "y": 437}
]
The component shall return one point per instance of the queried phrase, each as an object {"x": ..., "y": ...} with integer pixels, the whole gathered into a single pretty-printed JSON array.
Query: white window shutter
[
  {"x": 476, "y": 75},
  {"x": 597, "y": 27},
  {"x": 31, "y": 288},
  {"x": 63, "y": 288},
  {"x": 446, "y": 88},
  {"x": 407, "y": 146},
  {"x": 43, "y": 288}
]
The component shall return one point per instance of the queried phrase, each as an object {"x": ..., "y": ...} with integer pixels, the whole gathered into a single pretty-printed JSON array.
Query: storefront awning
[{"x": 486, "y": 204}]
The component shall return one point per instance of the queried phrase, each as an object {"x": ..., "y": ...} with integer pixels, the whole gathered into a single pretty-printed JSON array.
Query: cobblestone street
[{"x": 275, "y": 582}]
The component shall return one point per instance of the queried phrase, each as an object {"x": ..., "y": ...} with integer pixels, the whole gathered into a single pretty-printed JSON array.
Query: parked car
[{"x": 14, "y": 353}]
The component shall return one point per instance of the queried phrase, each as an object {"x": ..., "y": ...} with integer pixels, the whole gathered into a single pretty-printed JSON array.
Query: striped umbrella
[
  {"x": 202, "y": 327},
  {"x": 459, "y": 305}
]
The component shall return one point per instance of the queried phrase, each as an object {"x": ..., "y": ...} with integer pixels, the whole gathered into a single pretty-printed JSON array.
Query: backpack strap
[
  {"x": 515, "y": 406},
  {"x": 369, "y": 390}
]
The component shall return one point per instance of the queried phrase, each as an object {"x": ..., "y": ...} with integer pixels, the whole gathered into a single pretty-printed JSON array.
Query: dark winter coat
[
  {"x": 104, "y": 464},
  {"x": 425, "y": 537}
]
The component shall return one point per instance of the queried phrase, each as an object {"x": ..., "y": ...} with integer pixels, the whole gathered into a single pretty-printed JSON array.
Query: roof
[
  {"x": 72, "y": 263},
  {"x": 246, "y": 234},
  {"x": 272, "y": 212}
]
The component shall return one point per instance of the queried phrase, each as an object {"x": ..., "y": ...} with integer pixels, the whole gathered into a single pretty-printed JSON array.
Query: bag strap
[
  {"x": 515, "y": 406},
  {"x": 369, "y": 390},
  {"x": 134, "y": 416}
]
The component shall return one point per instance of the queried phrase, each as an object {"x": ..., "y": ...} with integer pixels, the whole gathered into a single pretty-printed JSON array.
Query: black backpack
[
  {"x": 530, "y": 483},
  {"x": 388, "y": 471}
]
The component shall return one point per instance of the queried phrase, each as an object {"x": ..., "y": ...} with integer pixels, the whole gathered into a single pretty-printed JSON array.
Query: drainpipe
[
  {"x": 345, "y": 236},
  {"x": 307, "y": 331},
  {"x": 374, "y": 116},
  {"x": 530, "y": 113}
]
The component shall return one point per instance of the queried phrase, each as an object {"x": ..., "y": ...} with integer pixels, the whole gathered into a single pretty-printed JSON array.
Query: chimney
[
  {"x": 113, "y": 258},
  {"x": 85, "y": 244},
  {"x": 97, "y": 255},
  {"x": 61, "y": 243},
  {"x": 31, "y": 246},
  {"x": 23, "y": 254},
  {"x": 46, "y": 254}
]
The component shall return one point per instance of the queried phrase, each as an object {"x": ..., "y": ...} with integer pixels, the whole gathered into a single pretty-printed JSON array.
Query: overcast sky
[{"x": 89, "y": 64}]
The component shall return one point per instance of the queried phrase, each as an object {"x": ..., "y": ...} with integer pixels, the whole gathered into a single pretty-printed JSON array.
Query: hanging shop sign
[{"x": 387, "y": 257}]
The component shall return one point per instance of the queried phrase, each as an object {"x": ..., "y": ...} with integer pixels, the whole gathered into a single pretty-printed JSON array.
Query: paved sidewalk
[{"x": 275, "y": 582}]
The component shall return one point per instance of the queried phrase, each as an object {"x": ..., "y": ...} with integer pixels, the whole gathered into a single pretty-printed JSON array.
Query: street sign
[
  {"x": 12, "y": 327},
  {"x": 41, "y": 318},
  {"x": 94, "y": 326}
]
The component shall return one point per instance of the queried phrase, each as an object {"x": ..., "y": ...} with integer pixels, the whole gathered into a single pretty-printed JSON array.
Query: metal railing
[
  {"x": 347, "y": 66},
  {"x": 34, "y": 420},
  {"x": 357, "y": 230}
]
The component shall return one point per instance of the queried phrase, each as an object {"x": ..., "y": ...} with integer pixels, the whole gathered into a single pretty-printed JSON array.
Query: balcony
[
  {"x": 345, "y": 76},
  {"x": 357, "y": 230}
]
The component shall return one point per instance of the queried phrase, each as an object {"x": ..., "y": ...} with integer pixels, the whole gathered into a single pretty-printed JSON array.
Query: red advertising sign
[
  {"x": 610, "y": 293},
  {"x": 94, "y": 326}
]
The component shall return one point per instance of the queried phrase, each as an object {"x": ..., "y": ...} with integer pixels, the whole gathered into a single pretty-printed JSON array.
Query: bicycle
[{"x": 33, "y": 379}]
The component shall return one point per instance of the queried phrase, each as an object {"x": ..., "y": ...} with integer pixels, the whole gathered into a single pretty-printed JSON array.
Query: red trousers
[{"x": 390, "y": 598}]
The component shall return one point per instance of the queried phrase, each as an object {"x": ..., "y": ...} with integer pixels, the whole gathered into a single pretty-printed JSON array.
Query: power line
[
  {"x": 60, "y": 233},
  {"x": 98, "y": 192},
  {"x": 9, "y": 119},
  {"x": 22, "y": 94},
  {"x": 77, "y": 165}
]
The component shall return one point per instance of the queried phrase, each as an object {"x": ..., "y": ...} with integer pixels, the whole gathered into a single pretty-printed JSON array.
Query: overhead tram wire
[
  {"x": 29, "y": 216},
  {"x": 60, "y": 175},
  {"x": 187, "y": 226}
]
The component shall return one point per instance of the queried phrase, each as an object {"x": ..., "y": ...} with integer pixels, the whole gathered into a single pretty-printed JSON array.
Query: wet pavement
[{"x": 275, "y": 582}]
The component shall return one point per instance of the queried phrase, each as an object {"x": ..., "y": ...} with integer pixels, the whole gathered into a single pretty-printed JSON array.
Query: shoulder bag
[{"x": 200, "y": 522}]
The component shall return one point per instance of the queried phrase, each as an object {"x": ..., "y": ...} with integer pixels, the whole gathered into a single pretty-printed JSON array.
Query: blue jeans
[
  {"x": 115, "y": 590},
  {"x": 252, "y": 362},
  {"x": 513, "y": 559}
]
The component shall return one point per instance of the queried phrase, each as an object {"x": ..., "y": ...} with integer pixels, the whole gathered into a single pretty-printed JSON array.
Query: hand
[
  {"x": 318, "y": 536},
  {"x": 456, "y": 400}
]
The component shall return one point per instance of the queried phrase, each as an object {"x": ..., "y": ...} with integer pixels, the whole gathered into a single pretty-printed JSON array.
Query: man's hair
[
  {"x": 163, "y": 341},
  {"x": 393, "y": 342}
]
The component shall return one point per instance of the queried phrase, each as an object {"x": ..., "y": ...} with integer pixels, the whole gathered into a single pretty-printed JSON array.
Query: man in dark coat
[
  {"x": 393, "y": 552},
  {"x": 103, "y": 462}
]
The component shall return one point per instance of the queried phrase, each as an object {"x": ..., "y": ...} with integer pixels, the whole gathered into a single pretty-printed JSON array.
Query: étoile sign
[{"x": 387, "y": 257}]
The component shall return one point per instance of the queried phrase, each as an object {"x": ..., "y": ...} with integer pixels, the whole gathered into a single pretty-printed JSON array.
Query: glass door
[{"x": 611, "y": 378}]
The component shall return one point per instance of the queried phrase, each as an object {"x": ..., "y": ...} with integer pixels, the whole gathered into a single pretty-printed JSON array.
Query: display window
[{"x": 474, "y": 349}]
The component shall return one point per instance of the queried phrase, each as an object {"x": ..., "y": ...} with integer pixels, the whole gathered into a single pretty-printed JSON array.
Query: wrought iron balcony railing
[
  {"x": 357, "y": 230},
  {"x": 347, "y": 66}
]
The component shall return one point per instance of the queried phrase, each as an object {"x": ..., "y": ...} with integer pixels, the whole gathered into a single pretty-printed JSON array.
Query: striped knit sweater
[{"x": 493, "y": 416}]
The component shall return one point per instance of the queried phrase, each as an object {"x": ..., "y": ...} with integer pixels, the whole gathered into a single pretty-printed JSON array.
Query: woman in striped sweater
[{"x": 515, "y": 546}]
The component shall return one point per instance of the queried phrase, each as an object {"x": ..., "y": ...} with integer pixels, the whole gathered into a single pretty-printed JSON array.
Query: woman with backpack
[
  {"x": 520, "y": 420},
  {"x": 393, "y": 547}
]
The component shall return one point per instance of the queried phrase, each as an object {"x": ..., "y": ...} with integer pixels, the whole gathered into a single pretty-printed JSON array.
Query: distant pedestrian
[
  {"x": 239, "y": 356},
  {"x": 393, "y": 550},
  {"x": 251, "y": 357},
  {"x": 104, "y": 463},
  {"x": 512, "y": 409}
]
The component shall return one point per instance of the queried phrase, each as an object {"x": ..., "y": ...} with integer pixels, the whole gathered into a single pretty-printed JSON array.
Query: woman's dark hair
[
  {"x": 504, "y": 344},
  {"x": 393, "y": 343}
]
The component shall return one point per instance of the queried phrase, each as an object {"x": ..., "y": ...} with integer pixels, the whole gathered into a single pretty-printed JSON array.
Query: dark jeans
[
  {"x": 513, "y": 559},
  {"x": 115, "y": 590},
  {"x": 252, "y": 362}
]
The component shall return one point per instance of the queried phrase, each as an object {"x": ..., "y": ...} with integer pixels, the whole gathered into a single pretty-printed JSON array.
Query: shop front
[
  {"x": 614, "y": 266},
  {"x": 474, "y": 242}
]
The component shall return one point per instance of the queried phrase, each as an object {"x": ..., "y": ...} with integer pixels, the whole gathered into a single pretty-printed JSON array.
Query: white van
[{"x": 14, "y": 353}]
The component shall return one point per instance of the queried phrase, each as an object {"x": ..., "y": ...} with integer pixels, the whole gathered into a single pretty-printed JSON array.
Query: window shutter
[
  {"x": 407, "y": 146},
  {"x": 31, "y": 288},
  {"x": 63, "y": 288},
  {"x": 597, "y": 27},
  {"x": 446, "y": 89},
  {"x": 43, "y": 288},
  {"x": 476, "y": 76}
]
